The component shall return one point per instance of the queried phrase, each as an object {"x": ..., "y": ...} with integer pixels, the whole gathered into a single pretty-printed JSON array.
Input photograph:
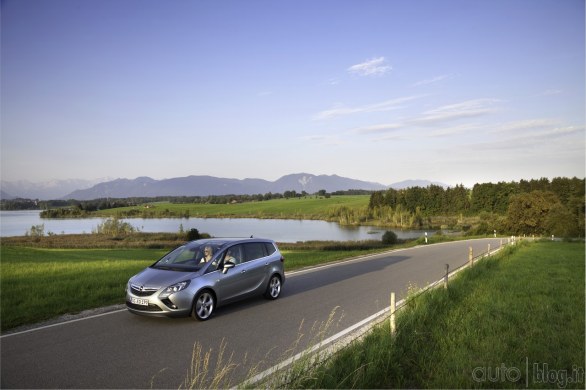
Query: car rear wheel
[
  {"x": 274, "y": 288},
  {"x": 204, "y": 305}
]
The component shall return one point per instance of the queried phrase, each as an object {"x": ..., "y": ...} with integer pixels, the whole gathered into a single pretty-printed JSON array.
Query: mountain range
[
  {"x": 53, "y": 189},
  {"x": 191, "y": 186}
]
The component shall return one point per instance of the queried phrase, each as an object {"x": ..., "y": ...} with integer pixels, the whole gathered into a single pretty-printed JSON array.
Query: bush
[
  {"x": 115, "y": 228},
  {"x": 193, "y": 234},
  {"x": 389, "y": 238}
]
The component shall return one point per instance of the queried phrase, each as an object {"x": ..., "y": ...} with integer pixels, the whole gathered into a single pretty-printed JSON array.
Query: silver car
[{"x": 201, "y": 275}]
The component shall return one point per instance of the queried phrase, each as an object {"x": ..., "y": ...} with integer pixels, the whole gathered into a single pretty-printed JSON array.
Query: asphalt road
[{"x": 122, "y": 350}]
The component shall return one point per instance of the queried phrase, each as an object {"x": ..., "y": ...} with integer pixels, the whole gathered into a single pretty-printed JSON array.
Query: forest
[{"x": 540, "y": 207}]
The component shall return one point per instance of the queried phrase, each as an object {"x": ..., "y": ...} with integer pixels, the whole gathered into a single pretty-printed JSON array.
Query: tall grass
[
  {"x": 495, "y": 326},
  {"x": 219, "y": 369}
]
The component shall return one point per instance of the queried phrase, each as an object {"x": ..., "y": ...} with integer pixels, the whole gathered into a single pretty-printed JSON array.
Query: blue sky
[{"x": 460, "y": 92}]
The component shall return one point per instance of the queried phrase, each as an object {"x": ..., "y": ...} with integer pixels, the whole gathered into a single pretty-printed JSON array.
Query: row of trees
[{"x": 526, "y": 207}]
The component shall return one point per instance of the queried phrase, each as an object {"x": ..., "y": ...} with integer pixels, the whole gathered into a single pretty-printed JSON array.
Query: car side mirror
[{"x": 227, "y": 266}]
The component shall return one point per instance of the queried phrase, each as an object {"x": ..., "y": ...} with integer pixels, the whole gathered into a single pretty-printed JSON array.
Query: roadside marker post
[
  {"x": 393, "y": 309},
  {"x": 446, "y": 277}
]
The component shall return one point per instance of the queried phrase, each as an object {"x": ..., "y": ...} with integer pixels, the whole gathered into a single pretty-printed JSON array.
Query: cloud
[
  {"x": 341, "y": 110},
  {"x": 381, "y": 128},
  {"x": 550, "y": 92},
  {"x": 528, "y": 124},
  {"x": 560, "y": 138},
  {"x": 467, "y": 109},
  {"x": 461, "y": 129},
  {"x": 329, "y": 140},
  {"x": 372, "y": 67},
  {"x": 432, "y": 80}
]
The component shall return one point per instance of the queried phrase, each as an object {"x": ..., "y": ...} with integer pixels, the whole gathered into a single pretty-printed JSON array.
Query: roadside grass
[
  {"x": 497, "y": 325},
  {"x": 39, "y": 283}
]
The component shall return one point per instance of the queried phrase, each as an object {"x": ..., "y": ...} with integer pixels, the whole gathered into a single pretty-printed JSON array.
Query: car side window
[
  {"x": 254, "y": 250},
  {"x": 270, "y": 248},
  {"x": 233, "y": 255}
]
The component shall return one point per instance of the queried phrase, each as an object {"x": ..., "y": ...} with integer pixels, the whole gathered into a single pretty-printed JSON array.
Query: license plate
[{"x": 139, "y": 301}]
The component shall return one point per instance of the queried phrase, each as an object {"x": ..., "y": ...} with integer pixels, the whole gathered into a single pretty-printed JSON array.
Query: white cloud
[
  {"x": 372, "y": 67},
  {"x": 528, "y": 124},
  {"x": 432, "y": 80},
  {"x": 381, "y": 128},
  {"x": 470, "y": 108},
  {"x": 341, "y": 110},
  {"x": 329, "y": 140},
  {"x": 462, "y": 129},
  {"x": 550, "y": 92}
]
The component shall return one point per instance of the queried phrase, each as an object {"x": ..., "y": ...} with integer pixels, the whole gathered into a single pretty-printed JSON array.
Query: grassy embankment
[{"x": 513, "y": 321}]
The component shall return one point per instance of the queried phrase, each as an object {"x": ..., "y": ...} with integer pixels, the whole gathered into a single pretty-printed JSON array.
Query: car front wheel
[
  {"x": 274, "y": 288},
  {"x": 204, "y": 305}
]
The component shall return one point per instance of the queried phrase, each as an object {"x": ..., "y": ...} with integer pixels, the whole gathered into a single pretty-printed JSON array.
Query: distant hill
[
  {"x": 209, "y": 185},
  {"x": 190, "y": 186},
  {"x": 53, "y": 189},
  {"x": 5, "y": 196}
]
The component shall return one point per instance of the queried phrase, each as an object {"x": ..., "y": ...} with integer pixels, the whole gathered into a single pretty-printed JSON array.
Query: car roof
[{"x": 226, "y": 240}]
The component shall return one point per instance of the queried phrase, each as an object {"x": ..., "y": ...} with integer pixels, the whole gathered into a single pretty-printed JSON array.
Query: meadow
[
  {"x": 310, "y": 207},
  {"x": 42, "y": 282},
  {"x": 515, "y": 320},
  {"x": 342, "y": 209}
]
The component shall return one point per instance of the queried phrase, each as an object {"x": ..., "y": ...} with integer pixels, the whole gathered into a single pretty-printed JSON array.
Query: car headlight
[{"x": 174, "y": 289}]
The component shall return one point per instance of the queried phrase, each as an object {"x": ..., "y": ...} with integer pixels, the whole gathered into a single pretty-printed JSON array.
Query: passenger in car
[{"x": 230, "y": 258}]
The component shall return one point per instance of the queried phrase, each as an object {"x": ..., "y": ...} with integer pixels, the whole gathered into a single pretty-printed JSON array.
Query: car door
[
  {"x": 254, "y": 266},
  {"x": 230, "y": 285}
]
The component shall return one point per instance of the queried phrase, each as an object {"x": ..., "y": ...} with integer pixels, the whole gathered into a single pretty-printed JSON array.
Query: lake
[{"x": 17, "y": 223}]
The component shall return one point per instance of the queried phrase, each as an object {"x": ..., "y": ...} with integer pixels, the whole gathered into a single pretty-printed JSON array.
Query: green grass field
[
  {"x": 42, "y": 283},
  {"x": 39, "y": 284},
  {"x": 310, "y": 207},
  {"x": 513, "y": 321}
]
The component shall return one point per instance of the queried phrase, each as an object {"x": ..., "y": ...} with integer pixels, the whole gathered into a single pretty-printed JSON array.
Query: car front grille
[
  {"x": 150, "y": 307},
  {"x": 141, "y": 291}
]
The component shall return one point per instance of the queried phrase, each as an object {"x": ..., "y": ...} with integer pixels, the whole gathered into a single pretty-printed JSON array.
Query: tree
[
  {"x": 527, "y": 212},
  {"x": 376, "y": 201},
  {"x": 193, "y": 234},
  {"x": 558, "y": 221}
]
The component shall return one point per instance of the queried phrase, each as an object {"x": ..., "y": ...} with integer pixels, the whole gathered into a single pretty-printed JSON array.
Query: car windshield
[{"x": 189, "y": 258}]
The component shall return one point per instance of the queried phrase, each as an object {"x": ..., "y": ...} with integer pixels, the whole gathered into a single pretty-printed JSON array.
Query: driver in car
[{"x": 208, "y": 253}]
